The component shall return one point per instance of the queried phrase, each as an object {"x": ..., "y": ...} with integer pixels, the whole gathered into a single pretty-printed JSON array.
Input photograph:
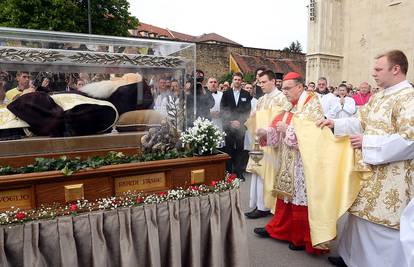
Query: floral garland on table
[
  {"x": 130, "y": 199},
  {"x": 203, "y": 138},
  {"x": 69, "y": 166}
]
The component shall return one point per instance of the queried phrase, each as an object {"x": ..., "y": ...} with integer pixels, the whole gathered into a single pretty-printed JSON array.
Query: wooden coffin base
[{"x": 33, "y": 189}]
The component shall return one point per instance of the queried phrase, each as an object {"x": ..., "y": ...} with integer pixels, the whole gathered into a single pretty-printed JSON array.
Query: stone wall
[{"x": 214, "y": 59}]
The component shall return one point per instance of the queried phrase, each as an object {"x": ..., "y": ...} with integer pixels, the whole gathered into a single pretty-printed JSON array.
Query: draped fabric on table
[{"x": 198, "y": 231}]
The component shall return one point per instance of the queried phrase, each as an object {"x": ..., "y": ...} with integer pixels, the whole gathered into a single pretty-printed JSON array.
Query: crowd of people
[
  {"x": 270, "y": 111},
  {"x": 377, "y": 123},
  {"x": 376, "y": 120}
]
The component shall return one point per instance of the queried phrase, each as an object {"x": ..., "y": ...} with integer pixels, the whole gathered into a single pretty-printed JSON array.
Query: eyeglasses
[{"x": 288, "y": 88}]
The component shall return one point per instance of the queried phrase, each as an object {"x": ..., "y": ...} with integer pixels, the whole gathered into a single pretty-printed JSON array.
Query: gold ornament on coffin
[{"x": 256, "y": 154}]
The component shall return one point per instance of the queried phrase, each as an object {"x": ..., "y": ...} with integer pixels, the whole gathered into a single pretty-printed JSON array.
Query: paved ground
[{"x": 267, "y": 252}]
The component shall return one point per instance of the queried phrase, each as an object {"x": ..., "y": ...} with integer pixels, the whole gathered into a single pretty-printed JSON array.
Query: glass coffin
[{"x": 59, "y": 86}]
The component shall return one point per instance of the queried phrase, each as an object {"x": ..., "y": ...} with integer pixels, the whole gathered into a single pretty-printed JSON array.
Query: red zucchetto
[{"x": 291, "y": 76}]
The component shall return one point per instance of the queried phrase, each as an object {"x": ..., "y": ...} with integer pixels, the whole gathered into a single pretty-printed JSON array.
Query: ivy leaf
[{"x": 66, "y": 171}]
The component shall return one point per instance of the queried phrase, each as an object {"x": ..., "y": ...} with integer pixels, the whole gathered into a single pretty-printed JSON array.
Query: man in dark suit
[{"x": 235, "y": 109}]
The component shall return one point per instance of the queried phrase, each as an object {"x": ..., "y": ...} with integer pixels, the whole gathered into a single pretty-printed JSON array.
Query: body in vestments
[
  {"x": 290, "y": 222},
  {"x": 94, "y": 109},
  {"x": 262, "y": 177},
  {"x": 384, "y": 130}
]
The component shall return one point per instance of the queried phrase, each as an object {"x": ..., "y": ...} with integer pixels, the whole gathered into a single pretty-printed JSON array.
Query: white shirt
[
  {"x": 328, "y": 103},
  {"x": 217, "y": 99},
  {"x": 236, "y": 94},
  {"x": 161, "y": 102},
  {"x": 345, "y": 110}
]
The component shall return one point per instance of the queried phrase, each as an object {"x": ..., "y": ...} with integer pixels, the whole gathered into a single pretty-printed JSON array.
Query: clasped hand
[
  {"x": 235, "y": 124},
  {"x": 281, "y": 127}
]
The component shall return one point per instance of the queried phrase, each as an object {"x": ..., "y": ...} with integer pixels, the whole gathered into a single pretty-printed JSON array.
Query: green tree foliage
[
  {"x": 294, "y": 47},
  {"x": 109, "y": 17},
  {"x": 249, "y": 77},
  {"x": 228, "y": 77}
]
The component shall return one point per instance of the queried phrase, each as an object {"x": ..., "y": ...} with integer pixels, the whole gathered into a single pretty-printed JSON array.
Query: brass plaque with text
[
  {"x": 143, "y": 182},
  {"x": 198, "y": 176},
  {"x": 74, "y": 192},
  {"x": 18, "y": 198}
]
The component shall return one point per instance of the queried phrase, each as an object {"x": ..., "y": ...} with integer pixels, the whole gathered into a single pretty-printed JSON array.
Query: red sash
[{"x": 289, "y": 115}]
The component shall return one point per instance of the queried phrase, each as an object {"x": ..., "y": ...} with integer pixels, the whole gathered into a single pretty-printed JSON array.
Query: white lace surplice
[{"x": 274, "y": 139}]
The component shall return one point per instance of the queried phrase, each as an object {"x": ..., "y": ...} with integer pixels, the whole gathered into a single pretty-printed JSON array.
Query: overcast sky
[{"x": 271, "y": 24}]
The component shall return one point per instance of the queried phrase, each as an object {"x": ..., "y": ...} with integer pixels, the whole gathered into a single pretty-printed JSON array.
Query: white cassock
[
  {"x": 346, "y": 110},
  {"x": 256, "y": 183},
  {"x": 328, "y": 103},
  {"x": 407, "y": 233},
  {"x": 248, "y": 138},
  {"x": 217, "y": 99},
  {"x": 364, "y": 243}
]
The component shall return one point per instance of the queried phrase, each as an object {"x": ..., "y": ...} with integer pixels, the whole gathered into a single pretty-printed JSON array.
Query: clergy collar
[
  {"x": 300, "y": 101},
  {"x": 397, "y": 87},
  {"x": 275, "y": 92}
]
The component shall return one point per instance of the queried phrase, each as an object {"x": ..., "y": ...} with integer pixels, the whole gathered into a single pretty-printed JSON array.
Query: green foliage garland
[{"x": 69, "y": 166}]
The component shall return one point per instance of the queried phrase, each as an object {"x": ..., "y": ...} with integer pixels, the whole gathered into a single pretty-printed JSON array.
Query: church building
[{"x": 345, "y": 36}]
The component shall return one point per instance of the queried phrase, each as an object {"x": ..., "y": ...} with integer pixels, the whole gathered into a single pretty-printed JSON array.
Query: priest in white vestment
[
  {"x": 260, "y": 188},
  {"x": 384, "y": 130}
]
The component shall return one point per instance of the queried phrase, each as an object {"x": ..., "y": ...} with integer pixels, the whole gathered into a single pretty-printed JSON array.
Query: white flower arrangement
[{"x": 203, "y": 138}]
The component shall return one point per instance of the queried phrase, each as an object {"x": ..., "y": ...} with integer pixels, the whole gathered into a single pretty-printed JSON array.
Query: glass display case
[{"x": 59, "y": 86}]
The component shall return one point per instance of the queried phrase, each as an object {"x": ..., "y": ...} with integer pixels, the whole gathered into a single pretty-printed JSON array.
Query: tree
[
  {"x": 228, "y": 77},
  {"x": 109, "y": 17},
  {"x": 294, "y": 47}
]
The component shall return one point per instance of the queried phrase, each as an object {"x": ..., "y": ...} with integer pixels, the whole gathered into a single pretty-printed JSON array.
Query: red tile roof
[
  {"x": 173, "y": 35},
  {"x": 154, "y": 29},
  {"x": 214, "y": 37},
  {"x": 182, "y": 36},
  {"x": 248, "y": 64}
]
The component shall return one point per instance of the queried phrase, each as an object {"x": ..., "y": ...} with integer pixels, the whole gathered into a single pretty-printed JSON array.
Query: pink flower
[
  {"x": 73, "y": 207},
  {"x": 140, "y": 199},
  {"x": 214, "y": 183},
  {"x": 20, "y": 215}
]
